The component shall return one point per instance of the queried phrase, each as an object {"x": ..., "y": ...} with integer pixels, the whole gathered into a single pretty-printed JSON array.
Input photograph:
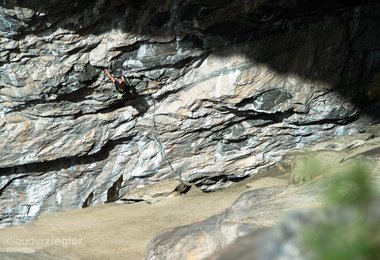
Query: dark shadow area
[
  {"x": 40, "y": 168},
  {"x": 133, "y": 97},
  {"x": 335, "y": 42},
  {"x": 182, "y": 188},
  {"x": 217, "y": 179},
  {"x": 113, "y": 191},
  {"x": 88, "y": 200}
]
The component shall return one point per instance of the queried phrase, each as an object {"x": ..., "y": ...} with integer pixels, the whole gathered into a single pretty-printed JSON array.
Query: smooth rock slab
[{"x": 257, "y": 210}]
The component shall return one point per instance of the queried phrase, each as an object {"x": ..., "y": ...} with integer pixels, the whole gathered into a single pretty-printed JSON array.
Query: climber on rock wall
[{"x": 120, "y": 84}]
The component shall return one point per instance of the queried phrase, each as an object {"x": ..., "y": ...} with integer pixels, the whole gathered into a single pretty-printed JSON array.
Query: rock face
[
  {"x": 286, "y": 240},
  {"x": 219, "y": 90},
  {"x": 249, "y": 229}
]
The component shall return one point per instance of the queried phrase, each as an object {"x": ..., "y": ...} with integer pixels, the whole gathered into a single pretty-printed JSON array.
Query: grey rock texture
[
  {"x": 268, "y": 223},
  {"x": 220, "y": 90},
  {"x": 155, "y": 192},
  {"x": 286, "y": 239},
  {"x": 252, "y": 211}
]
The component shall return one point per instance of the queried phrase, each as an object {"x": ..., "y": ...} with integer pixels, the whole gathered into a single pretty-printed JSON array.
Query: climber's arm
[
  {"x": 109, "y": 75},
  {"x": 123, "y": 79}
]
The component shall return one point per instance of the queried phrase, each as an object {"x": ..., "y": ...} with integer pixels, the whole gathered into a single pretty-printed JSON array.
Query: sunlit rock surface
[
  {"x": 220, "y": 90},
  {"x": 268, "y": 223}
]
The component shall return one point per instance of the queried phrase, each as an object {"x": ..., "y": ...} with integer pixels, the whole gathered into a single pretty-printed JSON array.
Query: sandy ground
[
  {"x": 119, "y": 231},
  {"x": 123, "y": 231}
]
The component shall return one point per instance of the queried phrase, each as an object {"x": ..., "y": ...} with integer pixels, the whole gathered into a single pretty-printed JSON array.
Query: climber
[{"x": 120, "y": 84}]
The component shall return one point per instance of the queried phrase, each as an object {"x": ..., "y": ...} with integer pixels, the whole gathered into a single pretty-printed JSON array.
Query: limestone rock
[
  {"x": 152, "y": 193},
  {"x": 252, "y": 211},
  {"x": 219, "y": 91},
  {"x": 286, "y": 239},
  {"x": 255, "y": 211}
]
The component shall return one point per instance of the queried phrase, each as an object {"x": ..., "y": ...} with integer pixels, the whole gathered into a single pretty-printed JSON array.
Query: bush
[{"x": 350, "y": 229}]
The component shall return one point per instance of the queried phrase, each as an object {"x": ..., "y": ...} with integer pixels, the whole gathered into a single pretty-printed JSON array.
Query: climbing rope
[
  {"x": 183, "y": 187},
  {"x": 156, "y": 138},
  {"x": 160, "y": 144}
]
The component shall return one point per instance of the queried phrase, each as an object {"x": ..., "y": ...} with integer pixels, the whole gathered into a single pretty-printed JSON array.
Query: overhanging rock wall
[{"x": 220, "y": 89}]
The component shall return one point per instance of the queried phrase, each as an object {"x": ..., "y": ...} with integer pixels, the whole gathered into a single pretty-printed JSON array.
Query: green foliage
[
  {"x": 306, "y": 169},
  {"x": 351, "y": 186},
  {"x": 348, "y": 230},
  {"x": 341, "y": 239}
]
